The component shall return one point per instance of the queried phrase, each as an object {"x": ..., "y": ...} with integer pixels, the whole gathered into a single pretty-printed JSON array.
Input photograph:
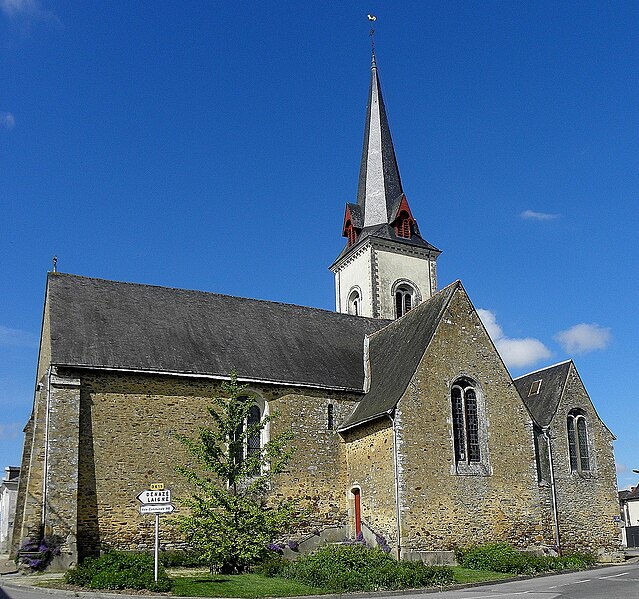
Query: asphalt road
[{"x": 614, "y": 582}]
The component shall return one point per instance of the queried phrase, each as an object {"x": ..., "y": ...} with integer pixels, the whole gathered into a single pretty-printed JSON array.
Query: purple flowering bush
[{"x": 37, "y": 554}]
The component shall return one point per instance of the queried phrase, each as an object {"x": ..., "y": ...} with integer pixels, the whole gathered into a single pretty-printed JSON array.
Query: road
[{"x": 614, "y": 582}]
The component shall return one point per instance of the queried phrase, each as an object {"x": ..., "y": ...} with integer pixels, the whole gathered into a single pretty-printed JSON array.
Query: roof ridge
[
  {"x": 208, "y": 293},
  {"x": 456, "y": 283},
  {"x": 542, "y": 369}
]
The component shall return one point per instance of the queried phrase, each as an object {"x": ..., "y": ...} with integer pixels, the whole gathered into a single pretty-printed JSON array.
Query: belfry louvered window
[
  {"x": 403, "y": 225},
  {"x": 354, "y": 303},
  {"x": 403, "y": 300},
  {"x": 350, "y": 233},
  {"x": 578, "y": 449},
  {"x": 465, "y": 422}
]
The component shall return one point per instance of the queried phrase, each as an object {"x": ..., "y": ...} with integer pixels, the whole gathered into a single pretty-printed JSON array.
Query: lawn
[
  {"x": 239, "y": 585},
  {"x": 255, "y": 585},
  {"x": 466, "y": 576}
]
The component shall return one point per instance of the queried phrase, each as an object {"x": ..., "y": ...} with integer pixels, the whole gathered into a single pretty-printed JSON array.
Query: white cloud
[
  {"x": 490, "y": 322},
  {"x": 532, "y": 215},
  {"x": 516, "y": 353},
  {"x": 28, "y": 10},
  {"x": 9, "y": 431},
  {"x": 583, "y": 338},
  {"x": 17, "y": 338},
  {"x": 7, "y": 120}
]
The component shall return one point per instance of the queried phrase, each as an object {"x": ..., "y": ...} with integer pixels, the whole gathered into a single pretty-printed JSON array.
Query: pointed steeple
[{"x": 380, "y": 185}]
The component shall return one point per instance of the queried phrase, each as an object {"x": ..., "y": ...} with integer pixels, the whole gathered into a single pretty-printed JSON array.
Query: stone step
[{"x": 7, "y": 566}]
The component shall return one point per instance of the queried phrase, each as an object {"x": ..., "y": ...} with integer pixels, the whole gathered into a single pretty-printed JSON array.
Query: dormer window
[
  {"x": 403, "y": 225},
  {"x": 349, "y": 233},
  {"x": 534, "y": 388}
]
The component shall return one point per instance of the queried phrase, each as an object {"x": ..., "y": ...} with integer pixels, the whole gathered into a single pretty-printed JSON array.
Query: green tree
[{"x": 230, "y": 521}]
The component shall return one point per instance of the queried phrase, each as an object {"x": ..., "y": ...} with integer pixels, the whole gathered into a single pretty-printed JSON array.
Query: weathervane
[
  {"x": 55, "y": 264},
  {"x": 372, "y": 18}
]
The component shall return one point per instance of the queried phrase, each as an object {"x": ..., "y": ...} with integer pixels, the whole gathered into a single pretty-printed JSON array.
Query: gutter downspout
[
  {"x": 45, "y": 475},
  {"x": 396, "y": 473},
  {"x": 553, "y": 489}
]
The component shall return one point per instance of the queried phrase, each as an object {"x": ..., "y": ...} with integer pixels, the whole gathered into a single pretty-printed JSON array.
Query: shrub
[
  {"x": 272, "y": 566},
  {"x": 347, "y": 568},
  {"x": 502, "y": 557},
  {"x": 38, "y": 554},
  {"x": 576, "y": 561},
  {"x": 498, "y": 557},
  {"x": 185, "y": 558},
  {"x": 119, "y": 570}
]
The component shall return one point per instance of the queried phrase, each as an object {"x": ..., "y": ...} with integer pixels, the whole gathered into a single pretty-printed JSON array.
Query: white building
[{"x": 8, "y": 495}]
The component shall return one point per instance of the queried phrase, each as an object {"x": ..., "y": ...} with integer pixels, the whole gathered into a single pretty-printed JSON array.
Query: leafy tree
[{"x": 230, "y": 521}]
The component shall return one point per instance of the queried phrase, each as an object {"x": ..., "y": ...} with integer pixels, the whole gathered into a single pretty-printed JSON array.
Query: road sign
[
  {"x": 163, "y": 496},
  {"x": 156, "y": 486},
  {"x": 160, "y": 508}
]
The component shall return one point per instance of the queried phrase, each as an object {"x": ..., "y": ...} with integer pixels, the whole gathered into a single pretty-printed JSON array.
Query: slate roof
[
  {"x": 392, "y": 181},
  {"x": 386, "y": 231},
  {"x": 97, "y": 323},
  {"x": 629, "y": 495},
  {"x": 543, "y": 405},
  {"x": 357, "y": 216},
  {"x": 394, "y": 354}
]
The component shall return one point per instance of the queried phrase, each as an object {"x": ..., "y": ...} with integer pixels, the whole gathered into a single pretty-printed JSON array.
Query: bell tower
[{"x": 387, "y": 267}]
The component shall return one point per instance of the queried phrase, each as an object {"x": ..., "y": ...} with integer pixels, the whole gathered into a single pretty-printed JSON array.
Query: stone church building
[{"x": 407, "y": 424}]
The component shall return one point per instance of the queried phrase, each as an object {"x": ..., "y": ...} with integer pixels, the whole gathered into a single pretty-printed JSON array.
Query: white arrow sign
[
  {"x": 160, "y": 508},
  {"x": 163, "y": 496}
]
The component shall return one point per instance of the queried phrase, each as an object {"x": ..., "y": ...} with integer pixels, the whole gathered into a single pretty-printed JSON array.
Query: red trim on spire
[{"x": 348, "y": 230}]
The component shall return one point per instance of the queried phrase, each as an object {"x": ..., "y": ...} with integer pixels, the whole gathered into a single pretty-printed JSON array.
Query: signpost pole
[{"x": 157, "y": 545}]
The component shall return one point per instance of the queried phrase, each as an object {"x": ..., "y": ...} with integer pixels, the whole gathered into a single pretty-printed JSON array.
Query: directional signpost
[{"x": 157, "y": 500}]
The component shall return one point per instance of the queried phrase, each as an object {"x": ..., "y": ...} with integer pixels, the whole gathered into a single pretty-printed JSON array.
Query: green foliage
[
  {"x": 119, "y": 570},
  {"x": 185, "y": 558},
  {"x": 347, "y": 568},
  {"x": 239, "y": 585},
  {"x": 230, "y": 523},
  {"x": 502, "y": 557}
]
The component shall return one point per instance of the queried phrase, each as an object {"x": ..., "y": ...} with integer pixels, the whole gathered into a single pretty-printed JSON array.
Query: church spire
[{"x": 380, "y": 186}]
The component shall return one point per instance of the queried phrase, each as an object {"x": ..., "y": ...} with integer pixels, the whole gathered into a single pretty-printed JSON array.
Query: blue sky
[{"x": 213, "y": 145}]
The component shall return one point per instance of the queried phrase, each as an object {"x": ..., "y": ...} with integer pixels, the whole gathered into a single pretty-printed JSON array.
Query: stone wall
[
  {"x": 28, "y": 522},
  {"x": 586, "y": 502},
  {"x": 128, "y": 440},
  {"x": 371, "y": 470},
  {"x": 444, "y": 505}
]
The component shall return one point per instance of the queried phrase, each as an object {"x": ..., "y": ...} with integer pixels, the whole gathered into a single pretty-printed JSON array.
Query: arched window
[
  {"x": 253, "y": 443},
  {"x": 465, "y": 422},
  {"x": 404, "y": 295},
  {"x": 578, "y": 442},
  {"x": 355, "y": 303}
]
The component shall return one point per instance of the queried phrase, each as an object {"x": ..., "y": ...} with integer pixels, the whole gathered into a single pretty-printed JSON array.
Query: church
[{"x": 407, "y": 424}]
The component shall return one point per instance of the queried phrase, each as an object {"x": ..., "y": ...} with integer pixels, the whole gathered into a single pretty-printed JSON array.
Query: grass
[
  {"x": 239, "y": 585},
  {"x": 466, "y": 576},
  {"x": 249, "y": 586}
]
